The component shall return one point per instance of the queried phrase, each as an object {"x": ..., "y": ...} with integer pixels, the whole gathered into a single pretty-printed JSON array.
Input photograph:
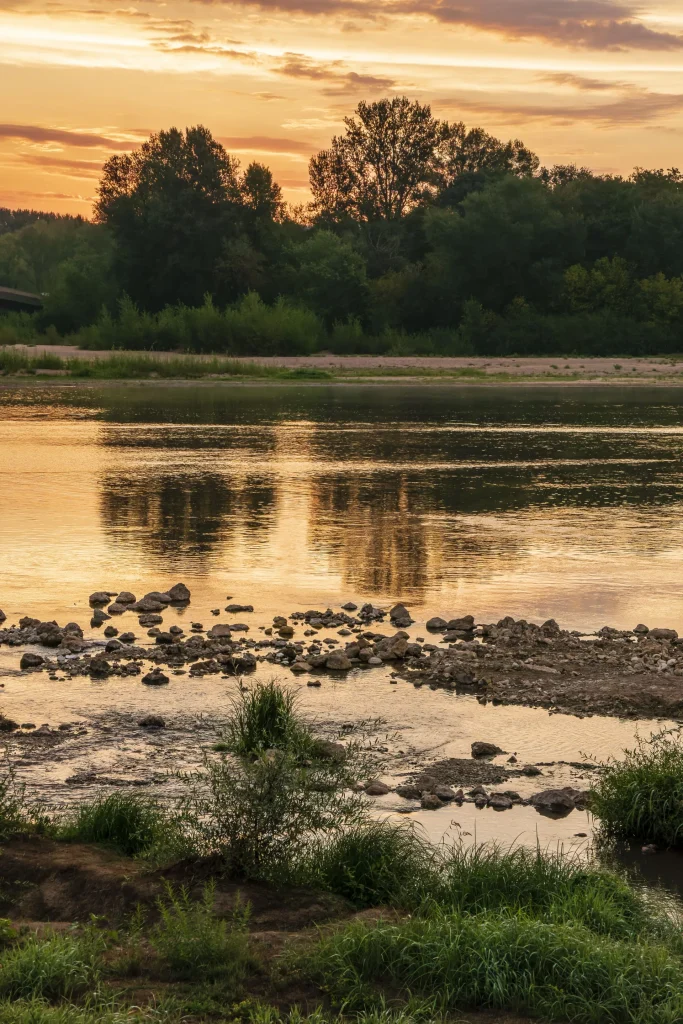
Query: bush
[
  {"x": 128, "y": 824},
  {"x": 502, "y": 963},
  {"x": 194, "y": 944},
  {"x": 59, "y": 967},
  {"x": 265, "y": 718},
  {"x": 376, "y": 863},
  {"x": 640, "y": 798}
]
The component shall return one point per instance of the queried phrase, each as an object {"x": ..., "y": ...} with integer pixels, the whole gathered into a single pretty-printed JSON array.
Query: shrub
[
  {"x": 503, "y": 963},
  {"x": 265, "y": 718},
  {"x": 641, "y": 797},
  {"x": 194, "y": 944},
  {"x": 376, "y": 863},
  {"x": 58, "y": 967},
  {"x": 128, "y": 824}
]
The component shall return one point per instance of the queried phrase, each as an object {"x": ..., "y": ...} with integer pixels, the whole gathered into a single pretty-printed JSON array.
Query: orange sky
[{"x": 599, "y": 82}]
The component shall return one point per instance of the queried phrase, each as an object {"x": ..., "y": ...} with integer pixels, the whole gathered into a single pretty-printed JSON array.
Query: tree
[
  {"x": 473, "y": 151},
  {"x": 328, "y": 276},
  {"x": 381, "y": 167},
  {"x": 170, "y": 205},
  {"x": 261, "y": 193}
]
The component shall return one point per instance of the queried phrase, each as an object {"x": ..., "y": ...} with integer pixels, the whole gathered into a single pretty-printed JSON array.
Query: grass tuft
[
  {"x": 59, "y": 967},
  {"x": 130, "y": 825}
]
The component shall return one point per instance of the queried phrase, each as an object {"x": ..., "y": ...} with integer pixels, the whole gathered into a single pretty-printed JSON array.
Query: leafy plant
[
  {"x": 57, "y": 967},
  {"x": 128, "y": 824}
]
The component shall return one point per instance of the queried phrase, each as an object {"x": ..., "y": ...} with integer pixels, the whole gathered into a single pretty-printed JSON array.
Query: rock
[
  {"x": 300, "y": 666},
  {"x": 400, "y": 615},
  {"x": 147, "y": 604},
  {"x": 164, "y": 638},
  {"x": 445, "y": 793},
  {"x": 7, "y": 725},
  {"x": 482, "y": 749},
  {"x": 553, "y": 802},
  {"x": 499, "y": 802},
  {"x": 464, "y": 624},
  {"x": 350, "y": 606},
  {"x": 127, "y": 638},
  {"x": 337, "y": 662},
  {"x": 98, "y": 617},
  {"x": 377, "y": 789},
  {"x": 663, "y": 634},
  {"x": 30, "y": 660},
  {"x": 179, "y": 593},
  {"x": 125, "y": 597},
  {"x": 220, "y": 630},
  {"x": 155, "y": 678},
  {"x": 436, "y": 624},
  {"x": 111, "y": 631},
  {"x": 426, "y": 783},
  {"x": 113, "y": 645},
  {"x": 640, "y": 628},
  {"x": 99, "y": 667},
  {"x": 649, "y": 849},
  {"x": 99, "y": 597},
  {"x": 286, "y": 632},
  {"x": 409, "y": 792},
  {"x": 151, "y": 620},
  {"x": 328, "y": 750},
  {"x": 239, "y": 608},
  {"x": 117, "y": 609},
  {"x": 3, "y": 617},
  {"x": 152, "y": 722},
  {"x": 156, "y": 595},
  {"x": 430, "y": 802},
  {"x": 374, "y": 660},
  {"x": 530, "y": 770}
]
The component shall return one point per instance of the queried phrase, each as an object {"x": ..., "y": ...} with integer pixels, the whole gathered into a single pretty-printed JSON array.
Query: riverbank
[{"x": 61, "y": 361}]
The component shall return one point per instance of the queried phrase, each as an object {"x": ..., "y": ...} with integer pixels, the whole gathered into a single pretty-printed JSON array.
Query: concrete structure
[{"x": 19, "y": 302}]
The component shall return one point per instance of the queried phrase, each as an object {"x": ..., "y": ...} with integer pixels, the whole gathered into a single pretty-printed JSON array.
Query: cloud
[
  {"x": 586, "y": 24},
  {"x": 62, "y": 136},
  {"x": 339, "y": 79},
  {"x": 580, "y": 82},
  {"x": 63, "y": 165},
  {"x": 266, "y": 144},
  {"x": 634, "y": 107}
]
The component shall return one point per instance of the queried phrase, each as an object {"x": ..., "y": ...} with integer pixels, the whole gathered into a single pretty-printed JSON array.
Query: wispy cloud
[{"x": 63, "y": 136}]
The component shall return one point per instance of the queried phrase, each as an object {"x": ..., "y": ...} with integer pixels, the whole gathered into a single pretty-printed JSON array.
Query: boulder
[
  {"x": 640, "y": 628},
  {"x": 220, "y": 630},
  {"x": 180, "y": 594},
  {"x": 436, "y": 624},
  {"x": 400, "y": 615},
  {"x": 430, "y": 802},
  {"x": 554, "y": 802},
  {"x": 337, "y": 662},
  {"x": 377, "y": 789},
  {"x": 3, "y": 617},
  {"x": 350, "y": 606},
  {"x": 111, "y": 631},
  {"x": 663, "y": 634},
  {"x": 328, "y": 750},
  {"x": 409, "y": 792},
  {"x": 127, "y": 638},
  {"x": 300, "y": 666},
  {"x": 116, "y": 608},
  {"x": 152, "y": 722},
  {"x": 499, "y": 802},
  {"x": 7, "y": 724},
  {"x": 99, "y": 597},
  {"x": 444, "y": 793},
  {"x": 125, "y": 597},
  {"x": 234, "y": 608},
  {"x": 155, "y": 678},
  {"x": 148, "y": 604},
  {"x": 99, "y": 667},
  {"x": 286, "y": 632},
  {"x": 482, "y": 749},
  {"x": 464, "y": 624},
  {"x": 157, "y": 595},
  {"x": 98, "y": 618},
  {"x": 151, "y": 620}
]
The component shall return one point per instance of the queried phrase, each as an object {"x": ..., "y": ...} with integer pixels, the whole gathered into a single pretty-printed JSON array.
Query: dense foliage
[{"x": 422, "y": 236}]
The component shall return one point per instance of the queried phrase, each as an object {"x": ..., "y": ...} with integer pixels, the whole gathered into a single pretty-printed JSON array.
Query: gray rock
[
  {"x": 663, "y": 634},
  {"x": 239, "y": 608},
  {"x": 117, "y": 609},
  {"x": 482, "y": 749},
  {"x": 127, "y": 638},
  {"x": 155, "y": 678},
  {"x": 148, "y": 604},
  {"x": 377, "y": 789},
  {"x": 125, "y": 597},
  {"x": 430, "y": 802},
  {"x": 151, "y": 620},
  {"x": 152, "y": 722},
  {"x": 3, "y": 617},
  {"x": 499, "y": 802},
  {"x": 179, "y": 593},
  {"x": 400, "y": 615},
  {"x": 436, "y": 624},
  {"x": 554, "y": 802},
  {"x": 640, "y": 628},
  {"x": 337, "y": 662},
  {"x": 220, "y": 630},
  {"x": 328, "y": 750},
  {"x": 99, "y": 597},
  {"x": 98, "y": 617},
  {"x": 409, "y": 792},
  {"x": 350, "y": 606},
  {"x": 445, "y": 793},
  {"x": 111, "y": 631},
  {"x": 465, "y": 624},
  {"x": 156, "y": 595},
  {"x": 374, "y": 660}
]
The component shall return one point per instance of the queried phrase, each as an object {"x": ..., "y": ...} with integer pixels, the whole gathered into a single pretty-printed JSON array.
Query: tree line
[{"x": 421, "y": 236}]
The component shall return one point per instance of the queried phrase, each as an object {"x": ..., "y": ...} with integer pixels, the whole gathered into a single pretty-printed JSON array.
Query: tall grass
[
  {"x": 131, "y": 825},
  {"x": 62, "y": 966},
  {"x": 641, "y": 796},
  {"x": 563, "y": 972},
  {"x": 194, "y": 944},
  {"x": 265, "y": 718}
]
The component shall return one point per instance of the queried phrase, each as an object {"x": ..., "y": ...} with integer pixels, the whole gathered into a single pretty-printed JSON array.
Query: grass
[
  {"x": 61, "y": 966},
  {"x": 131, "y": 825},
  {"x": 640, "y": 798},
  {"x": 265, "y": 718},
  {"x": 194, "y": 944},
  {"x": 563, "y": 972}
]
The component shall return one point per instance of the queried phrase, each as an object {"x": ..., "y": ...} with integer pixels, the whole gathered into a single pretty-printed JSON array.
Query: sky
[{"x": 595, "y": 82}]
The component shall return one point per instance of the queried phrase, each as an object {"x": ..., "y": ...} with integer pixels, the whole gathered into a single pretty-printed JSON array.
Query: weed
[
  {"x": 194, "y": 944},
  {"x": 507, "y": 963},
  {"x": 58, "y": 967},
  {"x": 128, "y": 824},
  {"x": 265, "y": 718},
  {"x": 641, "y": 796}
]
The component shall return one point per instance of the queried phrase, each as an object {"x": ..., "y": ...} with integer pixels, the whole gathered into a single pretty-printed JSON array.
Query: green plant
[
  {"x": 503, "y": 963},
  {"x": 128, "y": 824},
  {"x": 194, "y": 944},
  {"x": 375, "y": 863},
  {"x": 641, "y": 796},
  {"x": 265, "y": 718},
  {"x": 57, "y": 967}
]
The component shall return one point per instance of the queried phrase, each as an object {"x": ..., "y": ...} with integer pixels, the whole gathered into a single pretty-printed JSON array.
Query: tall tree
[
  {"x": 380, "y": 167},
  {"x": 169, "y": 205}
]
